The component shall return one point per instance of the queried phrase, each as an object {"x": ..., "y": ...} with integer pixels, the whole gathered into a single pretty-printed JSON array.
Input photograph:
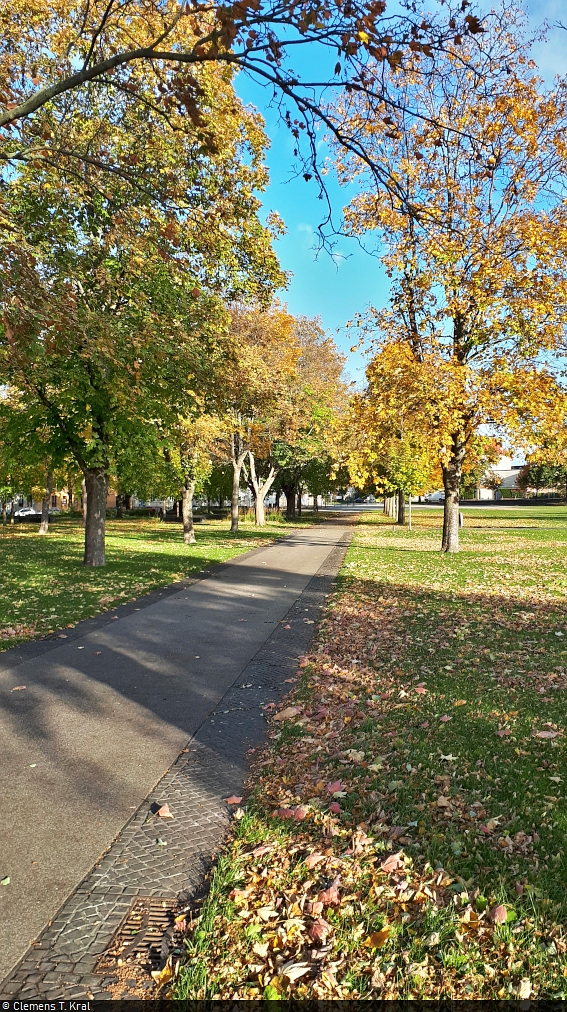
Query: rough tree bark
[
  {"x": 119, "y": 506},
  {"x": 238, "y": 455},
  {"x": 451, "y": 480},
  {"x": 187, "y": 511},
  {"x": 289, "y": 492},
  {"x": 261, "y": 489},
  {"x": 46, "y": 503},
  {"x": 84, "y": 501},
  {"x": 401, "y": 508},
  {"x": 96, "y": 482}
]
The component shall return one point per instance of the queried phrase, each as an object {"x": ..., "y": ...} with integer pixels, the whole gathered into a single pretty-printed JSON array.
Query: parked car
[
  {"x": 435, "y": 497},
  {"x": 54, "y": 512},
  {"x": 26, "y": 511}
]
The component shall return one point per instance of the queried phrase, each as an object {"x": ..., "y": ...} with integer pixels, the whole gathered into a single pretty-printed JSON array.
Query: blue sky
[{"x": 337, "y": 288}]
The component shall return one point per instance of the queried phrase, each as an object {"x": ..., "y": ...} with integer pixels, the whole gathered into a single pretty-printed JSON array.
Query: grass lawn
[
  {"x": 44, "y": 585},
  {"x": 405, "y": 831}
]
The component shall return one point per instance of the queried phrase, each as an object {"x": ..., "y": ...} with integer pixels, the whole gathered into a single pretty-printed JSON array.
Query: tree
[
  {"x": 141, "y": 56},
  {"x": 479, "y": 268},
  {"x": 113, "y": 312},
  {"x": 319, "y": 397},
  {"x": 539, "y": 475},
  {"x": 256, "y": 395},
  {"x": 187, "y": 455}
]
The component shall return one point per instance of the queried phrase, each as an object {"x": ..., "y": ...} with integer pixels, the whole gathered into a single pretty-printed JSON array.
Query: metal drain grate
[{"x": 147, "y": 934}]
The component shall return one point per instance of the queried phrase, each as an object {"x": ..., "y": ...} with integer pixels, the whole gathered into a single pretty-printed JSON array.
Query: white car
[
  {"x": 26, "y": 511},
  {"x": 435, "y": 497}
]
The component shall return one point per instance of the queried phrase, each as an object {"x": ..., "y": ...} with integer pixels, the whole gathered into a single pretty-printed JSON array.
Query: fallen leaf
[
  {"x": 260, "y": 851},
  {"x": 378, "y": 938},
  {"x": 290, "y": 711},
  {"x": 18, "y": 688},
  {"x": 444, "y": 719},
  {"x": 335, "y": 808},
  {"x": 319, "y": 930},
  {"x": 499, "y": 914},
  {"x": 421, "y": 689},
  {"x": 313, "y": 859},
  {"x": 293, "y": 971},
  {"x": 392, "y": 862},
  {"x": 443, "y": 802},
  {"x": 524, "y": 988},
  {"x": 377, "y": 980},
  {"x": 395, "y": 785},
  {"x": 5, "y": 881},
  {"x": 503, "y": 733},
  {"x": 260, "y": 949},
  {"x": 160, "y": 842},
  {"x": 330, "y": 896},
  {"x": 336, "y": 787},
  {"x": 162, "y": 977},
  {"x": 300, "y": 813},
  {"x": 546, "y": 734},
  {"x": 266, "y": 913},
  {"x": 164, "y": 812},
  {"x": 460, "y": 702},
  {"x": 233, "y": 800},
  {"x": 432, "y": 939}
]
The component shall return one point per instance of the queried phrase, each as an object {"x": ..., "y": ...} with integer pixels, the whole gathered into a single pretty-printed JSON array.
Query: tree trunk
[
  {"x": 70, "y": 493},
  {"x": 96, "y": 481},
  {"x": 261, "y": 489},
  {"x": 3, "y": 512},
  {"x": 451, "y": 481},
  {"x": 289, "y": 492},
  {"x": 119, "y": 507},
  {"x": 401, "y": 508},
  {"x": 45, "y": 504},
  {"x": 299, "y": 503},
  {"x": 238, "y": 454},
  {"x": 278, "y": 497},
  {"x": 84, "y": 501},
  {"x": 316, "y": 502},
  {"x": 187, "y": 512},
  {"x": 128, "y": 502}
]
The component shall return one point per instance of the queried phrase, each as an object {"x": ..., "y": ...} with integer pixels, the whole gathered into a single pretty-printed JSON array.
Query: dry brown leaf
[{"x": 288, "y": 713}]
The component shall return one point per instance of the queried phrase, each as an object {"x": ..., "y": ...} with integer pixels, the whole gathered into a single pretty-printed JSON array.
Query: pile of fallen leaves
[{"x": 404, "y": 833}]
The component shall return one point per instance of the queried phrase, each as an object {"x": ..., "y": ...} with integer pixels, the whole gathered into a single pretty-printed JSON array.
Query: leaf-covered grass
[
  {"x": 44, "y": 585},
  {"x": 427, "y": 769}
]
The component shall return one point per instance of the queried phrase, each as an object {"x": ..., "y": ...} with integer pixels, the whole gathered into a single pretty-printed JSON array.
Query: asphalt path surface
[{"x": 103, "y": 716}]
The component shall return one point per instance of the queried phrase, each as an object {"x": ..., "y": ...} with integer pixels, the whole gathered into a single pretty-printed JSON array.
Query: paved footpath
[{"x": 156, "y": 702}]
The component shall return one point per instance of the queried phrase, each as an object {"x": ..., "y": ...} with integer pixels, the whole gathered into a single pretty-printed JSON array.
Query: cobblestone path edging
[{"x": 61, "y": 963}]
